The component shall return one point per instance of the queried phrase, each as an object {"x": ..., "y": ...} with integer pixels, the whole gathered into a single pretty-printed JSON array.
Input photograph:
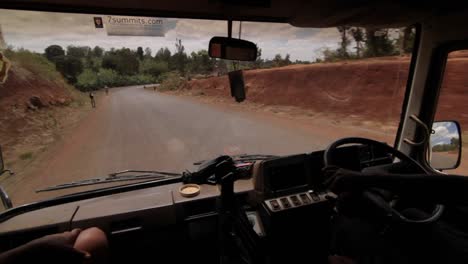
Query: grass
[
  {"x": 26, "y": 156},
  {"x": 41, "y": 67},
  {"x": 171, "y": 81},
  {"x": 34, "y": 63}
]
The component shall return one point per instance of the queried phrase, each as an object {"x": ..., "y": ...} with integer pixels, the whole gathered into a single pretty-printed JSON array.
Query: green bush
[
  {"x": 35, "y": 63},
  {"x": 90, "y": 80},
  {"x": 171, "y": 81},
  {"x": 87, "y": 80},
  {"x": 153, "y": 67}
]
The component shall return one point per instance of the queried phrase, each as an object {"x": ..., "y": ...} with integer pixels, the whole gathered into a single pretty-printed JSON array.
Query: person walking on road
[
  {"x": 107, "y": 90},
  {"x": 91, "y": 97}
]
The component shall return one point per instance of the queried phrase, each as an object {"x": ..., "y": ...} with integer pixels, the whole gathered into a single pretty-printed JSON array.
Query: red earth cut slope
[{"x": 370, "y": 89}]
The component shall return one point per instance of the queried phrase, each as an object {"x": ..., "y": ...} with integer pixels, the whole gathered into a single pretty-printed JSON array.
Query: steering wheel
[{"x": 377, "y": 199}]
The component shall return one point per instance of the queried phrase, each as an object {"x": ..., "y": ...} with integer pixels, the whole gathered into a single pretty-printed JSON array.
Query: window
[
  {"x": 453, "y": 100},
  {"x": 88, "y": 95}
]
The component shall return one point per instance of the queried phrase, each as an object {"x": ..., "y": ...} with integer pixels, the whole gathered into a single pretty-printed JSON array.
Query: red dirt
[
  {"x": 371, "y": 89},
  {"x": 22, "y": 85},
  {"x": 15, "y": 95}
]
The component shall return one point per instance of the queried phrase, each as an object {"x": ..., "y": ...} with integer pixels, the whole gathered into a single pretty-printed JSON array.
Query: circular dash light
[{"x": 189, "y": 190}]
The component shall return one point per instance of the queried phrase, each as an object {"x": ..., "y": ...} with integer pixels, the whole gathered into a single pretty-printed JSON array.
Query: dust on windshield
[{"x": 89, "y": 95}]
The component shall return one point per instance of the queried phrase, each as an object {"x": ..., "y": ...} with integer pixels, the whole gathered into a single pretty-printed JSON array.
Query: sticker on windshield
[
  {"x": 134, "y": 26},
  {"x": 98, "y": 22},
  {"x": 4, "y": 68}
]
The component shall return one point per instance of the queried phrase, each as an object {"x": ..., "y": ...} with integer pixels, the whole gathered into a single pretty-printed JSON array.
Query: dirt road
[{"x": 133, "y": 128}]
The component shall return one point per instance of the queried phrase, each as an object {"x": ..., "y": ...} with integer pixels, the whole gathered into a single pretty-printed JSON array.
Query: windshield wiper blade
[
  {"x": 115, "y": 174},
  {"x": 245, "y": 157},
  {"x": 252, "y": 157},
  {"x": 116, "y": 177}
]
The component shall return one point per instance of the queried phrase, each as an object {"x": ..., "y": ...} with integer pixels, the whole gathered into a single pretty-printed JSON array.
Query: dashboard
[
  {"x": 303, "y": 172},
  {"x": 285, "y": 195},
  {"x": 294, "y": 205}
]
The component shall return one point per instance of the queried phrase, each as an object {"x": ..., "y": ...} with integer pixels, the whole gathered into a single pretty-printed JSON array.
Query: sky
[
  {"x": 36, "y": 30},
  {"x": 443, "y": 133}
]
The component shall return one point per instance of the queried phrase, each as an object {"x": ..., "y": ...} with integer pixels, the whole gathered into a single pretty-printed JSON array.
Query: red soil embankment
[
  {"x": 361, "y": 88},
  {"x": 371, "y": 89},
  {"x": 25, "y": 103},
  {"x": 22, "y": 85}
]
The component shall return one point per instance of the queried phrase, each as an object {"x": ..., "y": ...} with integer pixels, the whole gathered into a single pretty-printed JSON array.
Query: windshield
[{"x": 83, "y": 96}]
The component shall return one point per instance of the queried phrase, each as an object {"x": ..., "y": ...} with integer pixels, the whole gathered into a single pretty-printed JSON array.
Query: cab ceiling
[{"x": 302, "y": 13}]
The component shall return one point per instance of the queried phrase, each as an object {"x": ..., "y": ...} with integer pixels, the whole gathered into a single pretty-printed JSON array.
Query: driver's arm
[{"x": 76, "y": 246}]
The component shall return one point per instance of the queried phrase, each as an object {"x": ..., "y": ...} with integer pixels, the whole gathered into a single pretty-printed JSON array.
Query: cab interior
[{"x": 355, "y": 184}]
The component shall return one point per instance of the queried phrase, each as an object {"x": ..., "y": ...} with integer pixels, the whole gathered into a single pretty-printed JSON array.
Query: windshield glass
[{"x": 83, "y": 96}]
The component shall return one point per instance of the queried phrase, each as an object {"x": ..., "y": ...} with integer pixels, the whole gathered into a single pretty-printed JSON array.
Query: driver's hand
[{"x": 57, "y": 248}]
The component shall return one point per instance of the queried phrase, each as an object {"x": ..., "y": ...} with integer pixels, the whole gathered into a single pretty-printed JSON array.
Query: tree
[
  {"x": 277, "y": 60},
  {"x": 201, "y": 62},
  {"x": 153, "y": 67},
  {"x": 408, "y": 39},
  {"x": 70, "y": 67},
  {"x": 378, "y": 43},
  {"x": 221, "y": 67},
  {"x": 78, "y": 52},
  {"x": 53, "y": 52},
  {"x": 179, "y": 59},
  {"x": 124, "y": 61},
  {"x": 344, "y": 43},
  {"x": 163, "y": 54},
  {"x": 330, "y": 55},
  {"x": 455, "y": 142},
  {"x": 358, "y": 36},
  {"x": 286, "y": 60},
  {"x": 258, "y": 63},
  {"x": 98, "y": 52},
  {"x": 140, "y": 53},
  {"x": 148, "y": 52}
]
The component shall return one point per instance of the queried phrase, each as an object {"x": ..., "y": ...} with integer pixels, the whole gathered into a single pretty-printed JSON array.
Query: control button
[
  {"x": 305, "y": 199},
  {"x": 295, "y": 200},
  {"x": 275, "y": 205},
  {"x": 285, "y": 202},
  {"x": 314, "y": 196}
]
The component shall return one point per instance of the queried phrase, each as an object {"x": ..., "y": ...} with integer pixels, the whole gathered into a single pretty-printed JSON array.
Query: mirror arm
[
  {"x": 5, "y": 199},
  {"x": 426, "y": 134}
]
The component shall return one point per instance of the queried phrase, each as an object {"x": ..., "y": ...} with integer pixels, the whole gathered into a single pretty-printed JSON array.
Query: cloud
[
  {"x": 443, "y": 133},
  {"x": 36, "y": 30}
]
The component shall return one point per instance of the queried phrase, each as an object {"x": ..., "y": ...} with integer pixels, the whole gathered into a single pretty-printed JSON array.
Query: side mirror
[
  {"x": 445, "y": 145},
  {"x": 232, "y": 49}
]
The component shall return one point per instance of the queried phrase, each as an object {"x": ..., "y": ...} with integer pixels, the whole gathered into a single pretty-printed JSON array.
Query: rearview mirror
[
  {"x": 232, "y": 49},
  {"x": 445, "y": 145}
]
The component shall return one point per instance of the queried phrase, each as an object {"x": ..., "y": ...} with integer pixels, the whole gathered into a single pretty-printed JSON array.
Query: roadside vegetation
[
  {"x": 359, "y": 43},
  {"x": 34, "y": 63},
  {"x": 91, "y": 68}
]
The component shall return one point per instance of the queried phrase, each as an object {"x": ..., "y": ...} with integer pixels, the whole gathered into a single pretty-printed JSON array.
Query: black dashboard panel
[
  {"x": 296, "y": 173},
  {"x": 286, "y": 173}
]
